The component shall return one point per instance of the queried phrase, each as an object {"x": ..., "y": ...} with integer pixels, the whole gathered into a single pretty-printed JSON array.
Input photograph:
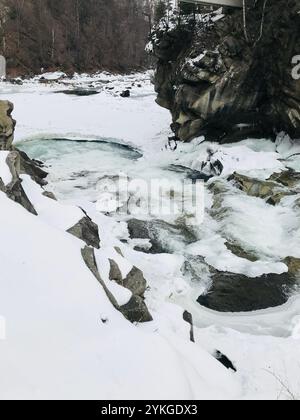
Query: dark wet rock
[
  {"x": 14, "y": 189},
  {"x": 288, "y": 179},
  {"x": 138, "y": 229},
  {"x": 88, "y": 255},
  {"x": 87, "y": 231},
  {"x": 45, "y": 81},
  {"x": 188, "y": 317},
  {"x": 50, "y": 195},
  {"x": 135, "y": 310},
  {"x": 224, "y": 360},
  {"x": 33, "y": 168},
  {"x": 272, "y": 190},
  {"x": 254, "y": 187},
  {"x": 162, "y": 235},
  {"x": 293, "y": 265},
  {"x": 15, "y": 192},
  {"x": 237, "y": 293},
  {"x": 80, "y": 92},
  {"x": 125, "y": 94},
  {"x": 115, "y": 272},
  {"x": 212, "y": 166},
  {"x": 118, "y": 250},
  {"x": 278, "y": 197},
  {"x": 13, "y": 81},
  {"x": 218, "y": 82},
  {"x": 131, "y": 152},
  {"x": 134, "y": 281},
  {"x": 238, "y": 250},
  {"x": 192, "y": 174}
]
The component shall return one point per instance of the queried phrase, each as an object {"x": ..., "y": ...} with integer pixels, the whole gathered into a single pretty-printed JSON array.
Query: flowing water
[{"x": 77, "y": 169}]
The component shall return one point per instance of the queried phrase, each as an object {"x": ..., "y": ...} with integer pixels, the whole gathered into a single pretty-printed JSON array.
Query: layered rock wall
[{"x": 233, "y": 76}]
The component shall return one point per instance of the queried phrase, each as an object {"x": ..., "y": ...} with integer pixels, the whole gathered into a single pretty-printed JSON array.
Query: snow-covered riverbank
[{"x": 116, "y": 359}]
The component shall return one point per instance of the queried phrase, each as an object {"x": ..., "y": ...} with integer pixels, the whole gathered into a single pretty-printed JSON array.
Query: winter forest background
[{"x": 81, "y": 35}]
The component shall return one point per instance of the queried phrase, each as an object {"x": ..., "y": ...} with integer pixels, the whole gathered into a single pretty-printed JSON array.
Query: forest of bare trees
[{"x": 82, "y": 35}]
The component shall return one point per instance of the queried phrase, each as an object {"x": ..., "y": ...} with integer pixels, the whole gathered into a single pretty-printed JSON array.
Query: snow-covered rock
[{"x": 217, "y": 76}]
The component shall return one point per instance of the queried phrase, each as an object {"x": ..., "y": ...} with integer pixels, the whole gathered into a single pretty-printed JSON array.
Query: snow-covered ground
[{"x": 56, "y": 345}]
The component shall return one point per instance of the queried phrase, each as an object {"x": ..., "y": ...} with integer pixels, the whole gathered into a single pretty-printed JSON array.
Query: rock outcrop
[
  {"x": 226, "y": 80},
  {"x": 237, "y": 293},
  {"x": 156, "y": 232},
  {"x": 87, "y": 231},
  {"x": 33, "y": 168},
  {"x": 135, "y": 310},
  {"x": 7, "y": 125},
  {"x": 271, "y": 191},
  {"x": 17, "y": 162},
  {"x": 14, "y": 189},
  {"x": 134, "y": 281}
]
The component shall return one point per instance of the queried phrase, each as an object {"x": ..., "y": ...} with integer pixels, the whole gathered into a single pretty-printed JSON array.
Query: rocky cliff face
[
  {"x": 7, "y": 125},
  {"x": 226, "y": 79}
]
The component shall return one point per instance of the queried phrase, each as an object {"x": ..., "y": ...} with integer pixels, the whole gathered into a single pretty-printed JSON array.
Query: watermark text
[
  {"x": 296, "y": 68},
  {"x": 160, "y": 198}
]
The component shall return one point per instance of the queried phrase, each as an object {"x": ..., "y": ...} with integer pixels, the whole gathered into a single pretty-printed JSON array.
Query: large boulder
[
  {"x": 272, "y": 190},
  {"x": 87, "y": 231},
  {"x": 133, "y": 281},
  {"x": 14, "y": 189},
  {"x": 33, "y": 168},
  {"x": 135, "y": 310},
  {"x": 228, "y": 82},
  {"x": 162, "y": 236},
  {"x": 231, "y": 292},
  {"x": 7, "y": 125},
  {"x": 18, "y": 162}
]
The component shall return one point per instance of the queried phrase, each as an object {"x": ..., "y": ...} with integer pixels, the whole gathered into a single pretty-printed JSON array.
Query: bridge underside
[{"x": 226, "y": 3}]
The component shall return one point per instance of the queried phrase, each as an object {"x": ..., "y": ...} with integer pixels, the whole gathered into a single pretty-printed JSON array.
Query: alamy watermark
[
  {"x": 2, "y": 328},
  {"x": 296, "y": 68},
  {"x": 158, "y": 198}
]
